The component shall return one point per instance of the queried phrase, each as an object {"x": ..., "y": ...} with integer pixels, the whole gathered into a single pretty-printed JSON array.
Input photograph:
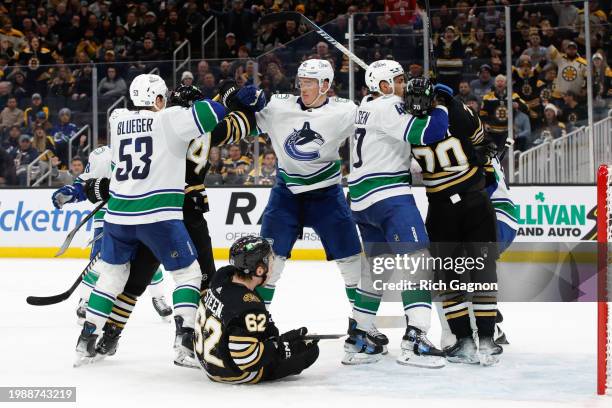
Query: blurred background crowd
[{"x": 49, "y": 50}]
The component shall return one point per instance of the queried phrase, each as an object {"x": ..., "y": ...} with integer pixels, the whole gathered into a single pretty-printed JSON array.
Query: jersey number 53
[{"x": 126, "y": 168}]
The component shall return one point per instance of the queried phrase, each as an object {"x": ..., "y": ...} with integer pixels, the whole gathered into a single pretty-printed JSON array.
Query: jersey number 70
[{"x": 126, "y": 168}]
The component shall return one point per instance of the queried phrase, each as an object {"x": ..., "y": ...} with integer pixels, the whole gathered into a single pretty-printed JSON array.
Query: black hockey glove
[
  {"x": 484, "y": 152},
  {"x": 295, "y": 334},
  {"x": 292, "y": 343},
  {"x": 197, "y": 200},
  {"x": 227, "y": 94},
  {"x": 96, "y": 190},
  {"x": 185, "y": 96}
]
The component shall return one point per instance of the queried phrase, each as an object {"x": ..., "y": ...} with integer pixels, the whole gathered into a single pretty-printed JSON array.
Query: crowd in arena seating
[{"x": 49, "y": 51}]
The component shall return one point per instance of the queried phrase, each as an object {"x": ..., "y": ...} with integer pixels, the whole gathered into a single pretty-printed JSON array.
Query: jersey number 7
[{"x": 126, "y": 169}]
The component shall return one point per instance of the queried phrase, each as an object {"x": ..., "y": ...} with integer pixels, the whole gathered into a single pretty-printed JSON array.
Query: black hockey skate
[
  {"x": 107, "y": 346},
  {"x": 499, "y": 336},
  {"x": 463, "y": 351},
  {"x": 488, "y": 351},
  {"x": 418, "y": 351},
  {"x": 86, "y": 345},
  {"x": 361, "y": 348},
  {"x": 184, "y": 355},
  {"x": 162, "y": 308}
]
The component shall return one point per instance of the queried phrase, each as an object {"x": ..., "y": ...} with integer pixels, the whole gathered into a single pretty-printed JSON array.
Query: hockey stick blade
[
  {"x": 294, "y": 15},
  {"x": 51, "y": 300},
  {"x": 323, "y": 336},
  {"x": 72, "y": 233}
]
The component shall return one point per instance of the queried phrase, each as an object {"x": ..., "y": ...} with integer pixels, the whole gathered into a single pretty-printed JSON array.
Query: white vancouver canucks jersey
[
  {"x": 306, "y": 141},
  {"x": 380, "y": 165},
  {"x": 98, "y": 166},
  {"x": 149, "y": 150}
]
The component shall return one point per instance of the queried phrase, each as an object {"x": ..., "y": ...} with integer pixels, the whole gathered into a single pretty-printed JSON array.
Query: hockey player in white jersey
[
  {"x": 99, "y": 166},
  {"x": 306, "y": 133},
  {"x": 386, "y": 213},
  {"x": 149, "y": 147}
]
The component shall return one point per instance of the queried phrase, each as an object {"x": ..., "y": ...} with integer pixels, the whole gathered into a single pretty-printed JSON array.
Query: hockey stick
[
  {"x": 323, "y": 336},
  {"x": 294, "y": 15},
  {"x": 72, "y": 233},
  {"x": 432, "y": 63},
  {"x": 51, "y": 300}
]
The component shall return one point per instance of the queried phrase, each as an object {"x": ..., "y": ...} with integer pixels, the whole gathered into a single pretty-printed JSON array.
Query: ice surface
[{"x": 551, "y": 361}]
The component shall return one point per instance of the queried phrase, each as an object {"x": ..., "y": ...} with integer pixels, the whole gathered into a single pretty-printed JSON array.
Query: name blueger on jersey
[{"x": 134, "y": 126}]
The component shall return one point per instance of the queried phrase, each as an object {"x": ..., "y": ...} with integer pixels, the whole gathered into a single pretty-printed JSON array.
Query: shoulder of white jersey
[
  {"x": 116, "y": 113},
  {"x": 100, "y": 151},
  {"x": 342, "y": 104},
  {"x": 283, "y": 97}
]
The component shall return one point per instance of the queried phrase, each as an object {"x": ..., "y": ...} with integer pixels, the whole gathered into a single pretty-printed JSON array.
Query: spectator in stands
[
  {"x": 132, "y": 27},
  {"x": 235, "y": 166},
  {"x": 602, "y": 85},
  {"x": 111, "y": 84},
  {"x": 473, "y": 103},
  {"x": 290, "y": 33},
  {"x": 267, "y": 39},
  {"x": 203, "y": 69},
  {"x": 551, "y": 127},
  {"x": 31, "y": 112},
  {"x": 491, "y": 18},
  {"x": 148, "y": 53},
  {"x": 209, "y": 87},
  {"x": 5, "y": 93},
  {"x": 465, "y": 92},
  {"x": 536, "y": 51},
  {"x": 88, "y": 44},
  {"x": 484, "y": 83},
  {"x": 267, "y": 171},
  {"x": 62, "y": 82},
  {"x": 42, "y": 141},
  {"x": 175, "y": 28},
  {"x": 7, "y": 169},
  {"x": 449, "y": 53},
  {"x": 522, "y": 130},
  {"x": 11, "y": 115},
  {"x": 322, "y": 50},
  {"x": 225, "y": 71},
  {"x": 240, "y": 22},
  {"x": 572, "y": 71},
  {"x": 187, "y": 78},
  {"x": 76, "y": 167},
  {"x": 150, "y": 22},
  {"x": 5, "y": 69},
  {"x": 214, "y": 177},
  {"x": 61, "y": 133},
  {"x": 107, "y": 45},
  {"x": 11, "y": 142},
  {"x": 229, "y": 49},
  {"x": 567, "y": 14},
  {"x": 83, "y": 82},
  {"x": 415, "y": 70},
  {"x": 123, "y": 43},
  {"x": 573, "y": 113},
  {"x": 528, "y": 86},
  {"x": 23, "y": 156},
  {"x": 275, "y": 80}
]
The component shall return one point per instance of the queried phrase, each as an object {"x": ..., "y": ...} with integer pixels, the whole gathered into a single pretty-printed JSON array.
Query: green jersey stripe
[
  {"x": 155, "y": 201},
  {"x": 306, "y": 181},
  {"x": 205, "y": 115},
  {"x": 506, "y": 207},
  {"x": 416, "y": 131},
  {"x": 100, "y": 214},
  {"x": 365, "y": 186}
]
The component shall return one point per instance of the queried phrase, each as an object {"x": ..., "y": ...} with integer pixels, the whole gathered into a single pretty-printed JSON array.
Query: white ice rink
[{"x": 551, "y": 361}]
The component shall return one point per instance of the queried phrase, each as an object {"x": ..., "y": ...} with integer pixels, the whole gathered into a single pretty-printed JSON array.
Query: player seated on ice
[
  {"x": 387, "y": 216},
  {"x": 235, "y": 125},
  {"x": 145, "y": 204},
  {"x": 236, "y": 340},
  {"x": 460, "y": 218},
  {"x": 98, "y": 167},
  {"x": 306, "y": 133}
]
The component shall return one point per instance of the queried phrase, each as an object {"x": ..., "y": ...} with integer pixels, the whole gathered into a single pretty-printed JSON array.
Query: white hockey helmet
[
  {"x": 145, "y": 88},
  {"x": 318, "y": 69},
  {"x": 382, "y": 70}
]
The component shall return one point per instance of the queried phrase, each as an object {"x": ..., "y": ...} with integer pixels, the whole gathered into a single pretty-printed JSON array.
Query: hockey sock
[
  {"x": 122, "y": 309},
  {"x": 111, "y": 282},
  {"x": 156, "y": 288},
  {"x": 350, "y": 269},
  {"x": 367, "y": 300},
  {"x": 266, "y": 292},
  {"x": 485, "y": 312},
  {"x": 88, "y": 283},
  {"x": 186, "y": 295},
  {"x": 456, "y": 311},
  {"x": 417, "y": 307}
]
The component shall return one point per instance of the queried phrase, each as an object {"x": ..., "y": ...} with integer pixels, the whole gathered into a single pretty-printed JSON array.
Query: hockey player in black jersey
[
  {"x": 235, "y": 125},
  {"x": 460, "y": 220},
  {"x": 236, "y": 341}
]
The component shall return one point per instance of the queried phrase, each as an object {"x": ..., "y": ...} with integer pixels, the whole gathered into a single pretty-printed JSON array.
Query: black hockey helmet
[
  {"x": 185, "y": 96},
  {"x": 419, "y": 96},
  {"x": 249, "y": 252}
]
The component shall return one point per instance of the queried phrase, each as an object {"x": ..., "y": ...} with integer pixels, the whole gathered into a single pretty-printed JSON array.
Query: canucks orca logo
[{"x": 303, "y": 144}]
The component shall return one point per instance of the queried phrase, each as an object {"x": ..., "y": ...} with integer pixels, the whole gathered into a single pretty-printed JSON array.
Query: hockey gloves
[
  {"x": 96, "y": 190},
  {"x": 293, "y": 343},
  {"x": 68, "y": 194},
  {"x": 236, "y": 98},
  {"x": 198, "y": 200},
  {"x": 185, "y": 96},
  {"x": 444, "y": 91}
]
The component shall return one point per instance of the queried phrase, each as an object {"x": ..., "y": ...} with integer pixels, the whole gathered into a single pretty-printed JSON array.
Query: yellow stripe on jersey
[
  {"x": 239, "y": 339},
  {"x": 451, "y": 183}
]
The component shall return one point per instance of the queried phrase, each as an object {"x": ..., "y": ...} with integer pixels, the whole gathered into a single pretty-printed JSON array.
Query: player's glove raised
[
  {"x": 236, "y": 98},
  {"x": 68, "y": 194},
  {"x": 185, "y": 96},
  {"x": 484, "y": 152},
  {"x": 444, "y": 91}
]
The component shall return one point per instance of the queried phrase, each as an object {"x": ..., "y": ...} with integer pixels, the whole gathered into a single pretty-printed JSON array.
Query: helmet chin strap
[{"x": 317, "y": 98}]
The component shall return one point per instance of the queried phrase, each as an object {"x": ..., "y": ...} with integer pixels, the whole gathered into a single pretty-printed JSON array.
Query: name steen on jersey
[
  {"x": 213, "y": 304},
  {"x": 134, "y": 126}
]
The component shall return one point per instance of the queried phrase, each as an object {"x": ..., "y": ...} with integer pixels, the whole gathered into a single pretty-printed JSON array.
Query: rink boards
[{"x": 30, "y": 226}]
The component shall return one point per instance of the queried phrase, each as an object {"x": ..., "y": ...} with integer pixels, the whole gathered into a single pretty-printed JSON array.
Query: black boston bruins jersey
[
  {"x": 235, "y": 335},
  {"x": 450, "y": 166}
]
